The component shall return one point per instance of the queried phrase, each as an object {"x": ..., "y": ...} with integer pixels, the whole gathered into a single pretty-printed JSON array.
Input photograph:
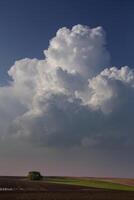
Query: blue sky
[{"x": 27, "y": 26}]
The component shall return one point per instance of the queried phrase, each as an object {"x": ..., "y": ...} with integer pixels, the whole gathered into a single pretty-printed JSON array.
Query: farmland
[
  {"x": 114, "y": 184},
  {"x": 68, "y": 188}
]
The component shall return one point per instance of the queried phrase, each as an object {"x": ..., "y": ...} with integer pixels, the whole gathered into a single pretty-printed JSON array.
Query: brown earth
[
  {"x": 124, "y": 181},
  {"x": 20, "y": 189},
  {"x": 68, "y": 195}
]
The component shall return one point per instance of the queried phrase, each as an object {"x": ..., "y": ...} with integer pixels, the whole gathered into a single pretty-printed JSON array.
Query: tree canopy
[{"x": 35, "y": 175}]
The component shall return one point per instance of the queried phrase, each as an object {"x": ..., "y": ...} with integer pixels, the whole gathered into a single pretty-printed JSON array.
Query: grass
[{"x": 95, "y": 183}]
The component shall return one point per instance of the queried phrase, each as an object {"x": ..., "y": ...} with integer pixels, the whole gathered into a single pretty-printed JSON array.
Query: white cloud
[
  {"x": 81, "y": 50},
  {"x": 71, "y": 97},
  {"x": 108, "y": 88}
]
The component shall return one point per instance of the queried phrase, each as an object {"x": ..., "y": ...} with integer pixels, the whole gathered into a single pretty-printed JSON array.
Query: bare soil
[
  {"x": 21, "y": 189},
  {"x": 124, "y": 181}
]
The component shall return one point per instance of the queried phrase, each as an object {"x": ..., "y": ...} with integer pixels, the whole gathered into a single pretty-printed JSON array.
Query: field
[
  {"x": 104, "y": 183},
  {"x": 66, "y": 188}
]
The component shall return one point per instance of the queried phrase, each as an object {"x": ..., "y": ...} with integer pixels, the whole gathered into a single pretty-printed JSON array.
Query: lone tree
[{"x": 35, "y": 176}]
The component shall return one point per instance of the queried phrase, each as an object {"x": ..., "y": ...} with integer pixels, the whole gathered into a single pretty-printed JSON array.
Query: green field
[{"x": 91, "y": 182}]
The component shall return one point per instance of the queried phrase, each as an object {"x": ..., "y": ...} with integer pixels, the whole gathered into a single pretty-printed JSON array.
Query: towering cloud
[{"x": 72, "y": 97}]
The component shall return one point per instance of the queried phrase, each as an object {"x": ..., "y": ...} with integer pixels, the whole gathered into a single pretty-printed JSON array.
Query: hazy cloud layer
[{"x": 72, "y": 97}]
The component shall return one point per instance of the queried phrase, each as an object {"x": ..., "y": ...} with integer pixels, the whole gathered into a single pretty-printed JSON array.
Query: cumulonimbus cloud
[{"x": 72, "y": 97}]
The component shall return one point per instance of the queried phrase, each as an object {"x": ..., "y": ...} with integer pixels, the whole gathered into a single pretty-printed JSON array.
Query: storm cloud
[{"x": 71, "y": 98}]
